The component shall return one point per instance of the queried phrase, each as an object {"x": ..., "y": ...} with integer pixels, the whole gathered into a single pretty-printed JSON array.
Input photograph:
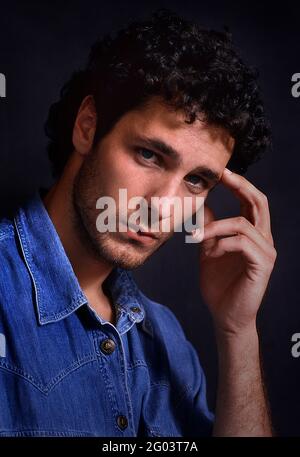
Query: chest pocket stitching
[{"x": 45, "y": 389}]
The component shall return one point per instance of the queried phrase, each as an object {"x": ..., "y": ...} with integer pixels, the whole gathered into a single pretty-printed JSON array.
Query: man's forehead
[{"x": 158, "y": 119}]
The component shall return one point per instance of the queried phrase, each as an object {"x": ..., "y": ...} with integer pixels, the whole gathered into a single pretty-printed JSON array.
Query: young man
[{"x": 160, "y": 110}]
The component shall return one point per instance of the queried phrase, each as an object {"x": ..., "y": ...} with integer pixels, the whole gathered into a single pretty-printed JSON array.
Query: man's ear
[{"x": 85, "y": 126}]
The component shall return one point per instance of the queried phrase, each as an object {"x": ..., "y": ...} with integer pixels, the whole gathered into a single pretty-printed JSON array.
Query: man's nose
[{"x": 162, "y": 200}]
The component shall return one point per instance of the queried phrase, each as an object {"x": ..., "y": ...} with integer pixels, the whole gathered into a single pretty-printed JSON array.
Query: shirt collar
[{"x": 57, "y": 290}]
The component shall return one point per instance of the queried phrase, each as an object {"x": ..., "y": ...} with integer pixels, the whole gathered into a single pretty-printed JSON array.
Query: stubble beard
[{"x": 107, "y": 246}]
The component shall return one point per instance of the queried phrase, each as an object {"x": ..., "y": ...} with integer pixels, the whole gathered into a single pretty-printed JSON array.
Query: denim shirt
[{"x": 66, "y": 371}]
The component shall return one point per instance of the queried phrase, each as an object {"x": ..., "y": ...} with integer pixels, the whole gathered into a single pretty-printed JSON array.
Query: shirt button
[
  {"x": 135, "y": 309},
  {"x": 122, "y": 422},
  {"x": 108, "y": 346}
]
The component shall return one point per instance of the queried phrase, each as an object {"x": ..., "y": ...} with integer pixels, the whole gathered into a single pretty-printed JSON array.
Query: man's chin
[{"x": 126, "y": 254}]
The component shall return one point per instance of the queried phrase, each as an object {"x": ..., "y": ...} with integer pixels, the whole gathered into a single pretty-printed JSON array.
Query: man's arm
[
  {"x": 237, "y": 257},
  {"x": 242, "y": 408}
]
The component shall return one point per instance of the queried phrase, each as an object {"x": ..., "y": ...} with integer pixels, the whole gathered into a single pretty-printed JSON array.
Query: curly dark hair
[{"x": 193, "y": 69}]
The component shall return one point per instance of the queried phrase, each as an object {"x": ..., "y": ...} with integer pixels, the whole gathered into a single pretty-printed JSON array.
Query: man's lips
[
  {"x": 142, "y": 234},
  {"x": 141, "y": 231},
  {"x": 148, "y": 234}
]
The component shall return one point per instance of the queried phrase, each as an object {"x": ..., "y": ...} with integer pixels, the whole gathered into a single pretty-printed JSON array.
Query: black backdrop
[{"x": 42, "y": 42}]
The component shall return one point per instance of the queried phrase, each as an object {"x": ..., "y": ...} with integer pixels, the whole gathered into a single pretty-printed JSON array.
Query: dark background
[{"x": 41, "y": 43}]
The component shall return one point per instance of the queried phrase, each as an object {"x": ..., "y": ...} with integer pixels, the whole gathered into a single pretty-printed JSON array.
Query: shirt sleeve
[
  {"x": 196, "y": 419},
  {"x": 199, "y": 418}
]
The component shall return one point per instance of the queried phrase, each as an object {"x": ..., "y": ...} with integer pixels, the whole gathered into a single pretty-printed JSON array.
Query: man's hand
[
  {"x": 237, "y": 257},
  {"x": 236, "y": 260}
]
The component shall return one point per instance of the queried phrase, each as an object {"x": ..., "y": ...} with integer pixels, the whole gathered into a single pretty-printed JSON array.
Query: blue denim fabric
[{"x": 55, "y": 379}]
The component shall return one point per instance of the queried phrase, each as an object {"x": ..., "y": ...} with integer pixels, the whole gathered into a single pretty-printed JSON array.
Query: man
[{"x": 160, "y": 110}]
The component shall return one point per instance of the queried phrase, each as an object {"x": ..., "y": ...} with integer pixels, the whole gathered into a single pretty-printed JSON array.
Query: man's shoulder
[
  {"x": 9, "y": 250},
  {"x": 162, "y": 317},
  {"x": 7, "y": 230},
  {"x": 11, "y": 265}
]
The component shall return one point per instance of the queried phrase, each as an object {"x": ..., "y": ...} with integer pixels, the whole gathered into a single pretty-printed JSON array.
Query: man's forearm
[{"x": 241, "y": 403}]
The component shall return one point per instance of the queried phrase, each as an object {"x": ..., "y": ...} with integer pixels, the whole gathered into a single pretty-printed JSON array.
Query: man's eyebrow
[
  {"x": 208, "y": 174},
  {"x": 160, "y": 146},
  {"x": 154, "y": 143}
]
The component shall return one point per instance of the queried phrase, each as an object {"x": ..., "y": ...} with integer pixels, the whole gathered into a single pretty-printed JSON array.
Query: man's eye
[
  {"x": 147, "y": 154},
  {"x": 196, "y": 181}
]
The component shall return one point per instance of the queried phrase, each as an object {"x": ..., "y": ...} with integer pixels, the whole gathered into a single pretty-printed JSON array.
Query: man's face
[{"x": 150, "y": 152}]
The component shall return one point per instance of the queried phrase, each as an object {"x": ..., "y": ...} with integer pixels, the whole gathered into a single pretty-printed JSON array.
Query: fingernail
[{"x": 227, "y": 171}]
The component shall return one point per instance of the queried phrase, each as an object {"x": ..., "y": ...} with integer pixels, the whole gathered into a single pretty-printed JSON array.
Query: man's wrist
[{"x": 236, "y": 340}]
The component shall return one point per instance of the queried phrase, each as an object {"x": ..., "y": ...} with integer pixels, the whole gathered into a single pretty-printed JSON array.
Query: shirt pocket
[
  {"x": 44, "y": 406},
  {"x": 45, "y": 382}
]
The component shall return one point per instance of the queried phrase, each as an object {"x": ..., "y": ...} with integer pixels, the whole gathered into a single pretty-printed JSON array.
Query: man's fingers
[
  {"x": 254, "y": 204},
  {"x": 233, "y": 226},
  {"x": 241, "y": 243}
]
